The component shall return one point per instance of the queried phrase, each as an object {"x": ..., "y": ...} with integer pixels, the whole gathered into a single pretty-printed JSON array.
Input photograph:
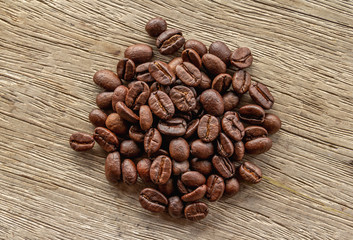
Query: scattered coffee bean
[
  {"x": 143, "y": 169},
  {"x": 223, "y": 166},
  {"x": 104, "y": 100},
  {"x": 200, "y": 149},
  {"x": 231, "y": 187},
  {"x": 126, "y": 69},
  {"x": 253, "y": 132},
  {"x": 146, "y": 118},
  {"x": 129, "y": 149},
  {"x": 230, "y": 100},
  {"x": 139, "y": 53},
  {"x": 209, "y": 128},
  {"x": 175, "y": 127},
  {"x": 81, "y": 142},
  {"x": 239, "y": 151},
  {"x": 215, "y": 187},
  {"x": 107, "y": 80},
  {"x": 252, "y": 113},
  {"x": 113, "y": 167},
  {"x": 232, "y": 126},
  {"x": 168, "y": 188},
  {"x": 188, "y": 74},
  {"x": 161, "y": 170},
  {"x": 106, "y": 139},
  {"x": 152, "y": 141},
  {"x": 161, "y": 105},
  {"x": 205, "y": 83},
  {"x": 196, "y": 194},
  {"x": 196, "y": 45},
  {"x": 136, "y": 134},
  {"x": 261, "y": 95},
  {"x": 193, "y": 179},
  {"x": 126, "y": 113},
  {"x": 249, "y": 172},
  {"x": 162, "y": 73},
  {"x": 221, "y": 50},
  {"x": 212, "y": 102},
  {"x": 119, "y": 95},
  {"x": 241, "y": 58},
  {"x": 179, "y": 149},
  {"x": 196, "y": 211},
  {"x": 128, "y": 169},
  {"x": 221, "y": 82},
  {"x": 174, "y": 63},
  {"x": 170, "y": 41},
  {"x": 180, "y": 167},
  {"x": 153, "y": 200},
  {"x": 272, "y": 123},
  {"x": 116, "y": 124},
  {"x": 241, "y": 82},
  {"x": 190, "y": 55},
  {"x": 143, "y": 74},
  {"x": 138, "y": 94},
  {"x": 202, "y": 166},
  {"x": 156, "y": 26},
  {"x": 159, "y": 87},
  {"x": 191, "y": 128},
  {"x": 97, "y": 117},
  {"x": 258, "y": 145},
  {"x": 175, "y": 207},
  {"x": 183, "y": 98},
  {"x": 213, "y": 64},
  {"x": 225, "y": 146}
]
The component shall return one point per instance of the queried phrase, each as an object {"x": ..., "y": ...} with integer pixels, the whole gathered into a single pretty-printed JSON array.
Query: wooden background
[{"x": 49, "y": 51}]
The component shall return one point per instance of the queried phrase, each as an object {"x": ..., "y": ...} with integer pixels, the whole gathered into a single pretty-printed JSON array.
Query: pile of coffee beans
[{"x": 177, "y": 125}]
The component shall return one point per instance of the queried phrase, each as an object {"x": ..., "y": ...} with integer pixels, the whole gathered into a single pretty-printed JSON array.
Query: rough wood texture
[{"x": 49, "y": 51}]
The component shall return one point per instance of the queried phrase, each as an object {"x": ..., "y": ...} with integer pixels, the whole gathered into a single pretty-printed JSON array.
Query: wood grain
[{"x": 49, "y": 51}]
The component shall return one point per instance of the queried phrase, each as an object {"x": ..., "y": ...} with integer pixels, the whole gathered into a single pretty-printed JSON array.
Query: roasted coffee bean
[
  {"x": 202, "y": 150},
  {"x": 190, "y": 55},
  {"x": 198, "y": 111},
  {"x": 231, "y": 186},
  {"x": 81, "y": 141},
  {"x": 119, "y": 95},
  {"x": 196, "y": 211},
  {"x": 188, "y": 74},
  {"x": 249, "y": 172},
  {"x": 152, "y": 141},
  {"x": 221, "y": 82},
  {"x": 161, "y": 170},
  {"x": 258, "y": 145},
  {"x": 180, "y": 167},
  {"x": 104, "y": 100},
  {"x": 241, "y": 82},
  {"x": 261, "y": 95},
  {"x": 175, "y": 207},
  {"x": 106, "y": 139},
  {"x": 241, "y": 58},
  {"x": 212, "y": 102},
  {"x": 209, "y": 128},
  {"x": 138, "y": 94},
  {"x": 168, "y": 188},
  {"x": 215, "y": 187},
  {"x": 230, "y": 100},
  {"x": 156, "y": 26},
  {"x": 146, "y": 118},
  {"x": 187, "y": 116},
  {"x": 128, "y": 169},
  {"x": 183, "y": 98},
  {"x": 174, "y": 63},
  {"x": 106, "y": 79},
  {"x": 161, "y": 105},
  {"x": 196, "y": 45},
  {"x": 223, "y": 166},
  {"x": 113, "y": 167},
  {"x": 232, "y": 126},
  {"x": 179, "y": 149},
  {"x": 143, "y": 74},
  {"x": 205, "y": 83},
  {"x": 225, "y": 146},
  {"x": 136, "y": 134},
  {"x": 175, "y": 127},
  {"x": 253, "y": 132},
  {"x": 126, "y": 69},
  {"x": 160, "y": 152},
  {"x": 195, "y": 194},
  {"x": 193, "y": 179},
  {"x": 251, "y": 113},
  {"x": 213, "y": 64},
  {"x": 153, "y": 200},
  {"x": 143, "y": 169},
  {"x": 170, "y": 41},
  {"x": 182, "y": 188},
  {"x": 191, "y": 128},
  {"x": 128, "y": 148},
  {"x": 272, "y": 123},
  {"x": 117, "y": 124},
  {"x": 221, "y": 50},
  {"x": 126, "y": 113},
  {"x": 97, "y": 117},
  {"x": 202, "y": 166},
  {"x": 162, "y": 73},
  {"x": 139, "y": 53},
  {"x": 239, "y": 151},
  {"x": 159, "y": 87}
]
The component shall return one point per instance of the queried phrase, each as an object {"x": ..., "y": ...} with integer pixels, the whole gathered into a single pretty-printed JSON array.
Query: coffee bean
[
  {"x": 198, "y": 111},
  {"x": 195, "y": 194},
  {"x": 179, "y": 149},
  {"x": 205, "y": 83},
  {"x": 104, "y": 100},
  {"x": 187, "y": 116},
  {"x": 170, "y": 41},
  {"x": 139, "y": 53},
  {"x": 212, "y": 102},
  {"x": 116, "y": 124},
  {"x": 143, "y": 74},
  {"x": 261, "y": 95},
  {"x": 174, "y": 63},
  {"x": 196, "y": 45},
  {"x": 113, "y": 167},
  {"x": 251, "y": 113},
  {"x": 146, "y": 118},
  {"x": 249, "y": 172},
  {"x": 175, "y": 207},
  {"x": 180, "y": 167},
  {"x": 230, "y": 100},
  {"x": 232, "y": 126},
  {"x": 253, "y": 132},
  {"x": 106, "y": 79},
  {"x": 152, "y": 141},
  {"x": 128, "y": 169},
  {"x": 225, "y": 146},
  {"x": 241, "y": 82},
  {"x": 196, "y": 211},
  {"x": 209, "y": 128},
  {"x": 106, "y": 139},
  {"x": 215, "y": 188},
  {"x": 202, "y": 166},
  {"x": 126, "y": 113},
  {"x": 241, "y": 58},
  {"x": 136, "y": 134},
  {"x": 126, "y": 69},
  {"x": 221, "y": 82},
  {"x": 213, "y": 64},
  {"x": 191, "y": 128},
  {"x": 168, "y": 188},
  {"x": 272, "y": 123},
  {"x": 129, "y": 148},
  {"x": 183, "y": 98},
  {"x": 182, "y": 188},
  {"x": 161, "y": 105},
  {"x": 189, "y": 74},
  {"x": 162, "y": 73},
  {"x": 175, "y": 127},
  {"x": 190, "y": 55},
  {"x": 193, "y": 179},
  {"x": 97, "y": 117},
  {"x": 156, "y": 26},
  {"x": 153, "y": 200},
  {"x": 200, "y": 149},
  {"x": 119, "y": 95},
  {"x": 137, "y": 95},
  {"x": 239, "y": 151},
  {"x": 143, "y": 169},
  {"x": 223, "y": 166},
  {"x": 231, "y": 186},
  {"x": 81, "y": 142},
  {"x": 161, "y": 170},
  {"x": 221, "y": 50},
  {"x": 258, "y": 145}
]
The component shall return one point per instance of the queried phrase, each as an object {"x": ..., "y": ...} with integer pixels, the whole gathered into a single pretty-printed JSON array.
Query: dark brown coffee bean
[
  {"x": 169, "y": 41},
  {"x": 180, "y": 167},
  {"x": 231, "y": 187},
  {"x": 241, "y": 82},
  {"x": 232, "y": 126},
  {"x": 168, "y": 188},
  {"x": 152, "y": 141},
  {"x": 272, "y": 123},
  {"x": 126, "y": 113},
  {"x": 106, "y": 139},
  {"x": 223, "y": 166},
  {"x": 143, "y": 169},
  {"x": 202, "y": 150},
  {"x": 136, "y": 134},
  {"x": 188, "y": 74},
  {"x": 196, "y": 211},
  {"x": 97, "y": 117},
  {"x": 196, "y": 45},
  {"x": 202, "y": 166},
  {"x": 138, "y": 94},
  {"x": 143, "y": 74},
  {"x": 225, "y": 146},
  {"x": 129, "y": 148},
  {"x": 104, "y": 100},
  {"x": 191, "y": 128},
  {"x": 128, "y": 169},
  {"x": 162, "y": 73},
  {"x": 221, "y": 50},
  {"x": 182, "y": 188},
  {"x": 261, "y": 95},
  {"x": 221, "y": 82},
  {"x": 81, "y": 142},
  {"x": 174, "y": 63},
  {"x": 119, "y": 95},
  {"x": 212, "y": 102},
  {"x": 106, "y": 79},
  {"x": 241, "y": 58},
  {"x": 183, "y": 98},
  {"x": 139, "y": 53},
  {"x": 251, "y": 173},
  {"x": 161, "y": 170},
  {"x": 175, "y": 127},
  {"x": 146, "y": 118},
  {"x": 213, "y": 64},
  {"x": 113, "y": 167},
  {"x": 179, "y": 149},
  {"x": 190, "y": 55},
  {"x": 205, "y": 83},
  {"x": 230, "y": 100},
  {"x": 187, "y": 116},
  {"x": 153, "y": 200},
  {"x": 126, "y": 69},
  {"x": 209, "y": 128},
  {"x": 161, "y": 105},
  {"x": 258, "y": 145},
  {"x": 159, "y": 87},
  {"x": 251, "y": 113},
  {"x": 253, "y": 132},
  {"x": 156, "y": 26},
  {"x": 193, "y": 179},
  {"x": 116, "y": 124},
  {"x": 239, "y": 151},
  {"x": 195, "y": 194},
  {"x": 175, "y": 207},
  {"x": 215, "y": 188}
]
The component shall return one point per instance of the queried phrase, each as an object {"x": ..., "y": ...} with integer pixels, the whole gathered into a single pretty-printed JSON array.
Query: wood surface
[{"x": 49, "y": 51}]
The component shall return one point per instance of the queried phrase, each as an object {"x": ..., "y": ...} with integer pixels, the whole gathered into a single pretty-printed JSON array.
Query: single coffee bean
[
  {"x": 190, "y": 55},
  {"x": 136, "y": 134},
  {"x": 205, "y": 83},
  {"x": 175, "y": 62},
  {"x": 258, "y": 145},
  {"x": 106, "y": 79},
  {"x": 81, "y": 142},
  {"x": 239, "y": 151},
  {"x": 161, "y": 170},
  {"x": 175, "y": 127},
  {"x": 153, "y": 200},
  {"x": 97, "y": 117},
  {"x": 119, "y": 95},
  {"x": 143, "y": 74},
  {"x": 161, "y": 105},
  {"x": 202, "y": 166},
  {"x": 272, "y": 123},
  {"x": 261, "y": 95},
  {"x": 126, "y": 113},
  {"x": 126, "y": 69},
  {"x": 129, "y": 148},
  {"x": 251, "y": 113},
  {"x": 168, "y": 188},
  {"x": 169, "y": 41},
  {"x": 128, "y": 169},
  {"x": 162, "y": 73},
  {"x": 231, "y": 186},
  {"x": 139, "y": 53},
  {"x": 213, "y": 64},
  {"x": 159, "y": 87},
  {"x": 241, "y": 82},
  {"x": 179, "y": 149},
  {"x": 182, "y": 188},
  {"x": 183, "y": 98},
  {"x": 106, "y": 139},
  {"x": 104, "y": 100},
  {"x": 191, "y": 128},
  {"x": 156, "y": 26},
  {"x": 180, "y": 167},
  {"x": 221, "y": 82},
  {"x": 215, "y": 188},
  {"x": 223, "y": 166},
  {"x": 196, "y": 211},
  {"x": 117, "y": 124},
  {"x": 232, "y": 126},
  {"x": 175, "y": 207},
  {"x": 193, "y": 179},
  {"x": 225, "y": 146},
  {"x": 230, "y": 100},
  {"x": 152, "y": 141},
  {"x": 221, "y": 50},
  {"x": 253, "y": 132},
  {"x": 196, "y": 45},
  {"x": 202, "y": 150},
  {"x": 146, "y": 118},
  {"x": 241, "y": 58},
  {"x": 212, "y": 102},
  {"x": 138, "y": 94},
  {"x": 195, "y": 195},
  {"x": 209, "y": 128},
  {"x": 249, "y": 172},
  {"x": 143, "y": 169},
  {"x": 188, "y": 74},
  {"x": 113, "y": 167}
]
